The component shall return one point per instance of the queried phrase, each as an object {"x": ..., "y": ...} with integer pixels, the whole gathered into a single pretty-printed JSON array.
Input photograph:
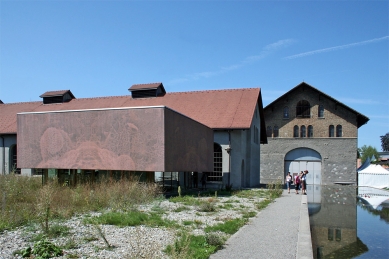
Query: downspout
[
  {"x": 228, "y": 149},
  {"x": 3, "y": 143}
]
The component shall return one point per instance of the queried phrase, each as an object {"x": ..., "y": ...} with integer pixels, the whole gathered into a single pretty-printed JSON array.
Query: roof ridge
[{"x": 216, "y": 90}]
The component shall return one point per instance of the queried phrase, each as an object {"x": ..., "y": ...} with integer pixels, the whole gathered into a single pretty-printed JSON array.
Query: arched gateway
[{"x": 301, "y": 159}]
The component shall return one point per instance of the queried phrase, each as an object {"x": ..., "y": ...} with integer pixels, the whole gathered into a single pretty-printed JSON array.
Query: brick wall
[
  {"x": 338, "y": 154},
  {"x": 334, "y": 114}
]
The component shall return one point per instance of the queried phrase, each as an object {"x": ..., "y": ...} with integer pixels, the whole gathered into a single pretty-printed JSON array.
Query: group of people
[{"x": 300, "y": 182}]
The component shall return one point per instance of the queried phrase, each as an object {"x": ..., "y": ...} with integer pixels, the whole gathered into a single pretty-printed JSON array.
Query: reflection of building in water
[{"x": 333, "y": 220}]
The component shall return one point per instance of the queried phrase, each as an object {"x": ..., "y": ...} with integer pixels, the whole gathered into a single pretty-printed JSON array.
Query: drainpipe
[
  {"x": 228, "y": 149},
  {"x": 2, "y": 139}
]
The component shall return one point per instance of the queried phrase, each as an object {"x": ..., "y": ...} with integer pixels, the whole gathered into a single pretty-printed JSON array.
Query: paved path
[{"x": 280, "y": 231}]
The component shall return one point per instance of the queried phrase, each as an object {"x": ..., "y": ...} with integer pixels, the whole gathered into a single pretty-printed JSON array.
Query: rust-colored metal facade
[{"x": 130, "y": 139}]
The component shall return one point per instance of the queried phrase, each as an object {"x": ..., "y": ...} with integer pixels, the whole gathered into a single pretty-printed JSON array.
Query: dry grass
[{"x": 24, "y": 199}]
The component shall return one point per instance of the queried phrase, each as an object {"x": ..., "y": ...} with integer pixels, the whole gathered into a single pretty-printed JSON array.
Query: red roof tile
[
  {"x": 145, "y": 86},
  {"x": 217, "y": 109}
]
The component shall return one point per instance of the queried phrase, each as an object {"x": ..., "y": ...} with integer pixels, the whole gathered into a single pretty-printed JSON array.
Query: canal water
[{"x": 344, "y": 226}]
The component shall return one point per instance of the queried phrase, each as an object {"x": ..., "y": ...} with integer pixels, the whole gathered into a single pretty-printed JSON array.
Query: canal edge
[{"x": 304, "y": 243}]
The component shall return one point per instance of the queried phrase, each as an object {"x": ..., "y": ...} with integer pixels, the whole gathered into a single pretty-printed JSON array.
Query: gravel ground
[{"x": 129, "y": 242}]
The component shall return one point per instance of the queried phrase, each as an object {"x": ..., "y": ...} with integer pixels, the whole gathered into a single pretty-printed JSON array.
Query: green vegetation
[
  {"x": 42, "y": 249},
  {"x": 24, "y": 199},
  {"x": 26, "y": 202}
]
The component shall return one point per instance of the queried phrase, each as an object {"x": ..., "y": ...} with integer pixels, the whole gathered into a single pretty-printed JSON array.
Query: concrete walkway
[{"x": 281, "y": 230}]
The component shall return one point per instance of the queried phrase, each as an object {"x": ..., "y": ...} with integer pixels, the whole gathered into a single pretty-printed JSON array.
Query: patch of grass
[
  {"x": 207, "y": 206},
  {"x": 70, "y": 244},
  {"x": 57, "y": 231},
  {"x": 190, "y": 246},
  {"x": 227, "y": 206},
  {"x": 90, "y": 238},
  {"x": 186, "y": 200},
  {"x": 182, "y": 208},
  {"x": 249, "y": 214},
  {"x": 131, "y": 218},
  {"x": 229, "y": 227},
  {"x": 263, "y": 204}
]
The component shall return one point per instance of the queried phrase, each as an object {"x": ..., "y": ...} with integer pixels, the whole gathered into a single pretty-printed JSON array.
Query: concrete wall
[
  {"x": 338, "y": 157},
  {"x": 5, "y": 156},
  {"x": 245, "y": 154}
]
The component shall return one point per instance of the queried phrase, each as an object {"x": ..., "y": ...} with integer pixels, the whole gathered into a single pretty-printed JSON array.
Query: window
[
  {"x": 217, "y": 174},
  {"x": 303, "y": 132},
  {"x": 331, "y": 131},
  {"x": 303, "y": 109},
  {"x": 339, "y": 131},
  {"x": 275, "y": 132},
  {"x": 321, "y": 111},
  {"x": 310, "y": 131},
  {"x": 286, "y": 112},
  {"x": 268, "y": 131},
  {"x": 296, "y": 131}
]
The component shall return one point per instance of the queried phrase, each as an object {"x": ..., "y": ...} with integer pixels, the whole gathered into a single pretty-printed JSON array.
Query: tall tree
[
  {"x": 368, "y": 151},
  {"x": 385, "y": 142}
]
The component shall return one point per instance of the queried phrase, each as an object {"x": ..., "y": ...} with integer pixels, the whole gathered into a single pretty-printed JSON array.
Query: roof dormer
[
  {"x": 147, "y": 90},
  {"x": 61, "y": 96}
]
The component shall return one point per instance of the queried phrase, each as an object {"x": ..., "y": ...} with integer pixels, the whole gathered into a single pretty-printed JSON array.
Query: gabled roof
[
  {"x": 361, "y": 119},
  {"x": 57, "y": 93},
  {"x": 217, "y": 109},
  {"x": 146, "y": 86}
]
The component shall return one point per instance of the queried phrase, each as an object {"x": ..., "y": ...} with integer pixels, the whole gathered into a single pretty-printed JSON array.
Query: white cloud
[
  {"x": 337, "y": 48},
  {"x": 267, "y": 50}
]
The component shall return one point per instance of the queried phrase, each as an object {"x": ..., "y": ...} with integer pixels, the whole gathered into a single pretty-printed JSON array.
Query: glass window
[
  {"x": 286, "y": 112},
  {"x": 296, "y": 131},
  {"x": 339, "y": 131},
  {"x": 268, "y": 131},
  {"x": 331, "y": 131},
  {"x": 310, "y": 131},
  {"x": 303, "y": 132},
  {"x": 303, "y": 109},
  {"x": 321, "y": 111},
  {"x": 275, "y": 132}
]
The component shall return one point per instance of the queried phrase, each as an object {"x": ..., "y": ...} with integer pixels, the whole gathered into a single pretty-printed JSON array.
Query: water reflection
[{"x": 345, "y": 226}]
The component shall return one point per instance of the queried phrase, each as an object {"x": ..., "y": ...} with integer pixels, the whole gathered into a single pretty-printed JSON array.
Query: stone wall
[
  {"x": 334, "y": 114},
  {"x": 339, "y": 156}
]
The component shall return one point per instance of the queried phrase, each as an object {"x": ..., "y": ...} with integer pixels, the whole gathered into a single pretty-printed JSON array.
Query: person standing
[
  {"x": 204, "y": 181},
  {"x": 288, "y": 181},
  {"x": 304, "y": 182},
  {"x": 297, "y": 181}
]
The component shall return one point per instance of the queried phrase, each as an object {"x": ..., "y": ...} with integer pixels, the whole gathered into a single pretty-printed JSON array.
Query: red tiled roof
[{"x": 217, "y": 109}]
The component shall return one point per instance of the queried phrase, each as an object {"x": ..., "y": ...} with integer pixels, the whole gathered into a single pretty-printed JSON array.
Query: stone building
[
  {"x": 172, "y": 138},
  {"x": 309, "y": 130}
]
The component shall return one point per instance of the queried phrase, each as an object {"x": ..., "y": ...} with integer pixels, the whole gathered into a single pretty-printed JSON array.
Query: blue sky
[{"x": 101, "y": 48}]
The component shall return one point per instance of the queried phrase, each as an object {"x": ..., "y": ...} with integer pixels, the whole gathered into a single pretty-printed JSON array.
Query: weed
[
  {"x": 263, "y": 204},
  {"x": 229, "y": 227},
  {"x": 42, "y": 249}
]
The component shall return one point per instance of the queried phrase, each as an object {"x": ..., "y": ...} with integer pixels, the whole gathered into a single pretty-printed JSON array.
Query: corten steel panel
[
  {"x": 189, "y": 144},
  {"x": 111, "y": 139}
]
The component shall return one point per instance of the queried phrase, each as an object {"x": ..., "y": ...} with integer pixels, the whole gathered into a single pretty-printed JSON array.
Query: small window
[
  {"x": 310, "y": 131},
  {"x": 275, "y": 132},
  {"x": 303, "y": 109},
  {"x": 303, "y": 133},
  {"x": 331, "y": 131},
  {"x": 339, "y": 131},
  {"x": 286, "y": 112},
  {"x": 321, "y": 111},
  {"x": 296, "y": 131},
  {"x": 268, "y": 131}
]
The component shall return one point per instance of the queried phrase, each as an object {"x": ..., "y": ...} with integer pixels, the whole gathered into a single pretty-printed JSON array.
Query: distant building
[
  {"x": 172, "y": 138},
  {"x": 309, "y": 130}
]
